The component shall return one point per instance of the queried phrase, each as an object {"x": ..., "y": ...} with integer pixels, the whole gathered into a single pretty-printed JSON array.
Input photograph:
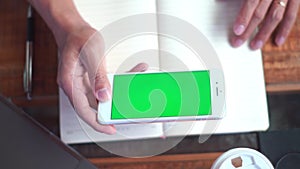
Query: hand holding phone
[{"x": 164, "y": 96}]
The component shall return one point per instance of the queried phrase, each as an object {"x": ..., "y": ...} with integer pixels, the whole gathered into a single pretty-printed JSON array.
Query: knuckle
[
  {"x": 277, "y": 16},
  {"x": 63, "y": 83},
  {"x": 268, "y": 1},
  {"x": 60, "y": 81},
  {"x": 253, "y": 2},
  {"x": 258, "y": 15},
  {"x": 101, "y": 81},
  {"x": 100, "y": 77}
]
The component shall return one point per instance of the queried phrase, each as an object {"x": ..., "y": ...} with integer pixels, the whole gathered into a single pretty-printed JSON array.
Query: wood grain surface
[
  {"x": 282, "y": 64},
  {"x": 190, "y": 161},
  {"x": 13, "y": 15}
]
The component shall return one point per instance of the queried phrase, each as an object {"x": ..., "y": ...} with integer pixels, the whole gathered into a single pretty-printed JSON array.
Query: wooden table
[
  {"x": 281, "y": 67},
  {"x": 187, "y": 161},
  {"x": 281, "y": 64}
]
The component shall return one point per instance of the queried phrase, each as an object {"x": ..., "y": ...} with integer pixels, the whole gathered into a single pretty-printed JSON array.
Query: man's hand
[
  {"x": 81, "y": 67},
  {"x": 276, "y": 16},
  {"x": 82, "y": 75}
]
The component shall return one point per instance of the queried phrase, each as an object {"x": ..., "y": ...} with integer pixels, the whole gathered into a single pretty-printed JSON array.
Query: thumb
[
  {"x": 93, "y": 59},
  {"x": 102, "y": 86}
]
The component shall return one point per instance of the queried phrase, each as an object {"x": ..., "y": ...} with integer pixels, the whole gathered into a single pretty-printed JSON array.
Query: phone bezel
[{"x": 217, "y": 104}]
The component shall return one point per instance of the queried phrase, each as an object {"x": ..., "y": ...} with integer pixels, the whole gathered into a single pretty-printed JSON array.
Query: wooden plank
[
  {"x": 12, "y": 50},
  {"x": 12, "y": 43},
  {"x": 190, "y": 161},
  {"x": 283, "y": 88},
  {"x": 282, "y": 68},
  {"x": 282, "y": 64}
]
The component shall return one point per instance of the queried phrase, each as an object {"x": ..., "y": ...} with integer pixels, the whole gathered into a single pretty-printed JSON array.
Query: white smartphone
[{"x": 164, "y": 96}]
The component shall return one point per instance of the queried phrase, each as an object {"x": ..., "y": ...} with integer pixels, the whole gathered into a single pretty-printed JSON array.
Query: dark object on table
[
  {"x": 27, "y": 144},
  {"x": 279, "y": 145},
  {"x": 289, "y": 161}
]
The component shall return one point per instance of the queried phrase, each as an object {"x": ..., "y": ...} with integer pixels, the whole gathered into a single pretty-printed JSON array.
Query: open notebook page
[
  {"x": 246, "y": 106},
  {"x": 124, "y": 55},
  {"x": 125, "y": 52}
]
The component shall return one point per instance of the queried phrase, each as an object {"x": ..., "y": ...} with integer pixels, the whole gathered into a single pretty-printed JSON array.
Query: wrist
[
  {"x": 61, "y": 18},
  {"x": 66, "y": 21}
]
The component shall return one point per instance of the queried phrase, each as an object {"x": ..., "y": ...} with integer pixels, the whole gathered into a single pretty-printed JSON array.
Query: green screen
[{"x": 163, "y": 94}]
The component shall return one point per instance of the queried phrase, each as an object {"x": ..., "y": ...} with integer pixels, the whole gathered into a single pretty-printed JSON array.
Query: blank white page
[
  {"x": 126, "y": 53},
  {"x": 246, "y": 105}
]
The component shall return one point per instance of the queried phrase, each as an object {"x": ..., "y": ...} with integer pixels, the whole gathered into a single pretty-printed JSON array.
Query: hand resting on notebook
[{"x": 272, "y": 16}]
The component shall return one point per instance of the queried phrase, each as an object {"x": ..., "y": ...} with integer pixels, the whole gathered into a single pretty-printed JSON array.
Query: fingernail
[
  {"x": 257, "y": 45},
  {"x": 239, "y": 29},
  {"x": 280, "y": 40},
  {"x": 103, "y": 95},
  {"x": 238, "y": 42},
  {"x": 144, "y": 69}
]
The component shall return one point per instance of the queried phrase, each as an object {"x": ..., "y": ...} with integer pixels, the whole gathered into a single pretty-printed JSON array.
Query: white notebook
[{"x": 246, "y": 105}]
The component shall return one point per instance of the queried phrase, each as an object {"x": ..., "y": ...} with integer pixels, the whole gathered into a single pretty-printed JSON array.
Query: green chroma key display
[{"x": 163, "y": 94}]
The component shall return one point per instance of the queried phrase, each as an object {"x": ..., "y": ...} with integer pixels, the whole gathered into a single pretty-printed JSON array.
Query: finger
[
  {"x": 76, "y": 89},
  {"x": 89, "y": 116},
  {"x": 244, "y": 16},
  {"x": 271, "y": 21},
  {"x": 288, "y": 21},
  {"x": 86, "y": 113},
  {"x": 90, "y": 93},
  {"x": 256, "y": 19},
  {"x": 102, "y": 86},
  {"x": 66, "y": 73},
  {"x": 92, "y": 57},
  {"x": 64, "y": 81},
  {"x": 141, "y": 67}
]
